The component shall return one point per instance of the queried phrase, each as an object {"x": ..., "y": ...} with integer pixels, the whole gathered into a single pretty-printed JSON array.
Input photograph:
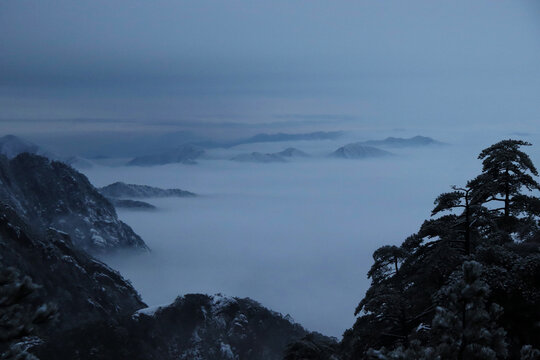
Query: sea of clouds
[{"x": 297, "y": 236}]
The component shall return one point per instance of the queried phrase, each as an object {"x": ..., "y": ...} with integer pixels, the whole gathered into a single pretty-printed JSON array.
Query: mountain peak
[{"x": 359, "y": 151}]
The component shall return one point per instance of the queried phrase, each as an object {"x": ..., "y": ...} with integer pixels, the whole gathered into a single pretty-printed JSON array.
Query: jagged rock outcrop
[
  {"x": 83, "y": 289},
  {"x": 194, "y": 327},
  {"x": 120, "y": 190},
  {"x": 52, "y": 194},
  {"x": 99, "y": 314},
  {"x": 313, "y": 347}
]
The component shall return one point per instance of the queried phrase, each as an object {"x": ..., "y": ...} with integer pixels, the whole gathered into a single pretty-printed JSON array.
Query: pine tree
[
  {"x": 429, "y": 300},
  {"x": 414, "y": 351},
  {"x": 464, "y": 327},
  {"x": 460, "y": 198},
  {"x": 506, "y": 171},
  {"x": 386, "y": 298},
  {"x": 529, "y": 353}
]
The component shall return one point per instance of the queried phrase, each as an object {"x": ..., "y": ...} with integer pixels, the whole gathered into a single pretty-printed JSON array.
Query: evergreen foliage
[{"x": 467, "y": 284}]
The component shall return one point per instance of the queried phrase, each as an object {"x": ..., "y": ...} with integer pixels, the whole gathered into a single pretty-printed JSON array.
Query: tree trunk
[
  {"x": 467, "y": 225},
  {"x": 507, "y": 196},
  {"x": 463, "y": 326}
]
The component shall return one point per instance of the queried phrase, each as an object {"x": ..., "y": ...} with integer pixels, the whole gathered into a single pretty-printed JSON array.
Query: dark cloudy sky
[{"x": 390, "y": 63}]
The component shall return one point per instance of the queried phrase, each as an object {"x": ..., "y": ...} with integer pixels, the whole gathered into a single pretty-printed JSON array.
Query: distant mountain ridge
[
  {"x": 270, "y": 157},
  {"x": 278, "y": 137},
  {"x": 274, "y": 137},
  {"x": 11, "y": 146},
  {"x": 131, "y": 204},
  {"x": 359, "y": 151},
  {"x": 403, "y": 142},
  {"x": 185, "y": 154},
  {"x": 258, "y": 157},
  {"x": 292, "y": 153},
  {"x": 122, "y": 190}
]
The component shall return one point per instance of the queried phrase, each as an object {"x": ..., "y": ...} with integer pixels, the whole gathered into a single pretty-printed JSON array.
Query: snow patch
[
  {"x": 226, "y": 351},
  {"x": 149, "y": 311}
]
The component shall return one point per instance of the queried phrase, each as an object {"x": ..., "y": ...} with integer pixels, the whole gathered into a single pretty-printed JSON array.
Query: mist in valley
[{"x": 297, "y": 236}]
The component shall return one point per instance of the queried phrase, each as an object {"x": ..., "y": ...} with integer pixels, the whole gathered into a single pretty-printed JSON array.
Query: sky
[{"x": 130, "y": 65}]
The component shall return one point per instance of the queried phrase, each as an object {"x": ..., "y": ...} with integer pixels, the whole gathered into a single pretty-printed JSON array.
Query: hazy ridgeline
[{"x": 296, "y": 236}]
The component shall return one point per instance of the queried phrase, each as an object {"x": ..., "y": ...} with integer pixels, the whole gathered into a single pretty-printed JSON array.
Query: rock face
[
  {"x": 258, "y": 157},
  {"x": 121, "y": 190},
  {"x": 83, "y": 289},
  {"x": 359, "y": 151},
  {"x": 100, "y": 315},
  {"x": 313, "y": 347},
  {"x": 194, "y": 327},
  {"x": 403, "y": 142},
  {"x": 186, "y": 154},
  {"x": 52, "y": 194}
]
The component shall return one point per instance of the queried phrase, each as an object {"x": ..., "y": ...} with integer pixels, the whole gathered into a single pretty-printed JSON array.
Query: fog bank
[{"x": 297, "y": 236}]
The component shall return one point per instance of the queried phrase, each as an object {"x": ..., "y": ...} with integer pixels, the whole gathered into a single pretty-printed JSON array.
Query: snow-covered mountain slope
[
  {"x": 83, "y": 289},
  {"x": 122, "y": 190},
  {"x": 52, "y": 194},
  {"x": 193, "y": 327}
]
